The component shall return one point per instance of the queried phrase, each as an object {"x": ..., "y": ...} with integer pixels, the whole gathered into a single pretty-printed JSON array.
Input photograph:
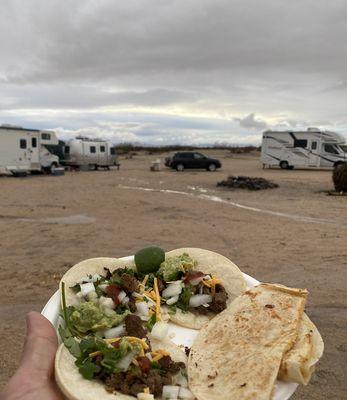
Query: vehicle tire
[
  {"x": 180, "y": 167},
  {"x": 338, "y": 163},
  {"x": 52, "y": 168},
  {"x": 284, "y": 165},
  {"x": 212, "y": 167}
]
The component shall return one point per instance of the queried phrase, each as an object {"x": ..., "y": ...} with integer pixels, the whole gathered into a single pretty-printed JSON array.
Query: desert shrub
[{"x": 340, "y": 178}]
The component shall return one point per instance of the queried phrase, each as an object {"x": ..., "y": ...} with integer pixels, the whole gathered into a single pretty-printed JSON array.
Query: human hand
[{"x": 34, "y": 379}]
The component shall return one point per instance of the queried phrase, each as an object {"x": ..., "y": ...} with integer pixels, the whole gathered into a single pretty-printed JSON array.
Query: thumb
[{"x": 39, "y": 348}]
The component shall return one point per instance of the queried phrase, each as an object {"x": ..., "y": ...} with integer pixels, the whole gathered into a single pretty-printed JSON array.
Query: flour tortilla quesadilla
[
  {"x": 240, "y": 351},
  {"x": 298, "y": 364}
]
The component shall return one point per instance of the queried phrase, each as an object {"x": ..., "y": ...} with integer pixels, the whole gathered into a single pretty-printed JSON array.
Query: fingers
[{"x": 40, "y": 347}]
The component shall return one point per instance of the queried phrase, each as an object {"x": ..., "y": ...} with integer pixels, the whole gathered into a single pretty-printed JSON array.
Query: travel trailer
[
  {"x": 23, "y": 150},
  {"x": 312, "y": 148},
  {"x": 93, "y": 153}
]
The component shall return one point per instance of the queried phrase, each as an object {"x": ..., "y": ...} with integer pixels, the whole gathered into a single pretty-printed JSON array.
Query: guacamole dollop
[
  {"x": 173, "y": 266},
  {"x": 89, "y": 316}
]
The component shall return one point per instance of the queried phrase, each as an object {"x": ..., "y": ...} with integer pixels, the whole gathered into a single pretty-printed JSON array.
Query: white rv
[
  {"x": 94, "y": 153},
  {"x": 23, "y": 150},
  {"x": 313, "y": 148}
]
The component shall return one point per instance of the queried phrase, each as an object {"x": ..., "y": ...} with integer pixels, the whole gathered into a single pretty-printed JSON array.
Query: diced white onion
[
  {"x": 114, "y": 332},
  {"x": 186, "y": 394},
  {"x": 103, "y": 286},
  {"x": 207, "y": 277},
  {"x": 160, "y": 330},
  {"x": 96, "y": 277},
  {"x": 106, "y": 302},
  {"x": 86, "y": 288},
  {"x": 145, "y": 396},
  {"x": 145, "y": 318},
  {"x": 121, "y": 295},
  {"x": 85, "y": 279},
  {"x": 142, "y": 308},
  {"x": 199, "y": 299},
  {"x": 125, "y": 362},
  {"x": 125, "y": 300},
  {"x": 170, "y": 392},
  {"x": 172, "y": 300},
  {"x": 180, "y": 380},
  {"x": 149, "y": 356},
  {"x": 137, "y": 295},
  {"x": 79, "y": 295},
  {"x": 174, "y": 289}
]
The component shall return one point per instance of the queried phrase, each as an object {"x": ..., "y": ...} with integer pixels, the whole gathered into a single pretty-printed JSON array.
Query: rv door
[
  {"x": 34, "y": 150},
  {"x": 314, "y": 151}
]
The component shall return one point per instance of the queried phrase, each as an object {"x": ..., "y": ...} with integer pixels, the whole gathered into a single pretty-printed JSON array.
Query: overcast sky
[{"x": 187, "y": 71}]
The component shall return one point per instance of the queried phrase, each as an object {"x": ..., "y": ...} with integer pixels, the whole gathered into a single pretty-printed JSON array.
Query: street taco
[
  {"x": 122, "y": 369},
  {"x": 190, "y": 287}
]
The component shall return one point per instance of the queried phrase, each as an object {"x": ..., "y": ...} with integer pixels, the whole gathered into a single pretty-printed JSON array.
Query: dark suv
[{"x": 192, "y": 159}]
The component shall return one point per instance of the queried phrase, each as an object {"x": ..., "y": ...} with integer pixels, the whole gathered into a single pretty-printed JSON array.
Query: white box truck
[
  {"x": 23, "y": 150},
  {"x": 312, "y": 148},
  {"x": 94, "y": 153}
]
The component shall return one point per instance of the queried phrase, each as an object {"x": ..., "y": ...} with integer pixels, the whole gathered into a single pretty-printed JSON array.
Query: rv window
[
  {"x": 112, "y": 151},
  {"x": 330, "y": 148},
  {"x": 45, "y": 136},
  {"x": 23, "y": 144},
  {"x": 33, "y": 142},
  {"x": 92, "y": 149},
  {"x": 102, "y": 149},
  {"x": 67, "y": 149},
  {"x": 300, "y": 143},
  {"x": 314, "y": 145}
]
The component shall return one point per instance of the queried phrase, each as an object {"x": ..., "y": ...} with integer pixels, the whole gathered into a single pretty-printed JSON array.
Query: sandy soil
[{"x": 294, "y": 235}]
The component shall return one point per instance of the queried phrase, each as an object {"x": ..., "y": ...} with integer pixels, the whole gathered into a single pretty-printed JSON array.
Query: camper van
[
  {"x": 23, "y": 150},
  {"x": 93, "y": 153},
  {"x": 312, "y": 148}
]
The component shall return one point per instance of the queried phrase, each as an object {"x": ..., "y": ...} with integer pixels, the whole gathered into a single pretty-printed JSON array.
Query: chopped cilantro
[
  {"x": 151, "y": 322},
  {"x": 183, "y": 300}
]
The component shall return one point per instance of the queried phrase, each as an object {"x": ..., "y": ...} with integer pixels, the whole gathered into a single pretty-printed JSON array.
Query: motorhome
[
  {"x": 94, "y": 153},
  {"x": 313, "y": 148},
  {"x": 23, "y": 150}
]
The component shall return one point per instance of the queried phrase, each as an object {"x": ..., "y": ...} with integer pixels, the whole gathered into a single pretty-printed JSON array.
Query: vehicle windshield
[{"x": 332, "y": 148}]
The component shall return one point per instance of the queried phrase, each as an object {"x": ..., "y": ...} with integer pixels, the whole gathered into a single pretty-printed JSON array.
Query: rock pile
[{"x": 245, "y": 182}]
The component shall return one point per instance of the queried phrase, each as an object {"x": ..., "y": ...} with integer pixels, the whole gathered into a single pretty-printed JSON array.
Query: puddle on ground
[
  {"x": 80, "y": 219},
  {"x": 300, "y": 218}
]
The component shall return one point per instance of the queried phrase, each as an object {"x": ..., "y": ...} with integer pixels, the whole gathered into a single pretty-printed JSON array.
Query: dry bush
[{"x": 340, "y": 178}]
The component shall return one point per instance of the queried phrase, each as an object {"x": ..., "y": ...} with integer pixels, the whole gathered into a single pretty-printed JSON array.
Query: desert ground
[{"x": 294, "y": 235}]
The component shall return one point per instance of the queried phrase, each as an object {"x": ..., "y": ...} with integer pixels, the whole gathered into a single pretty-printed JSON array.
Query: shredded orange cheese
[
  {"x": 145, "y": 280},
  {"x": 157, "y": 295}
]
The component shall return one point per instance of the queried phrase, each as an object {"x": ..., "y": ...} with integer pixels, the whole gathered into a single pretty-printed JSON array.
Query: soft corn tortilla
[
  {"x": 75, "y": 387},
  {"x": 209, "y": 262},
  {"x": 298, "y": 364},
  {"x": 239, "y": 352}
]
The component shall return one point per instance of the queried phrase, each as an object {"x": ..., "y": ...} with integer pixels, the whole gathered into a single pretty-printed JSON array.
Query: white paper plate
[{"x": 180, "y": 336}]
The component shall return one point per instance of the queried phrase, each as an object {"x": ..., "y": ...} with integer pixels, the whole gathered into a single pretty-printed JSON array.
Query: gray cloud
[
  {"x": 251, "y": 122},
  {"x": 84, "y": 62}
]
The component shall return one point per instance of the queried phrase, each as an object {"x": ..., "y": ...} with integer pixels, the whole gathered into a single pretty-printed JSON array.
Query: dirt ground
[{"x": 295, "y": 235}]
